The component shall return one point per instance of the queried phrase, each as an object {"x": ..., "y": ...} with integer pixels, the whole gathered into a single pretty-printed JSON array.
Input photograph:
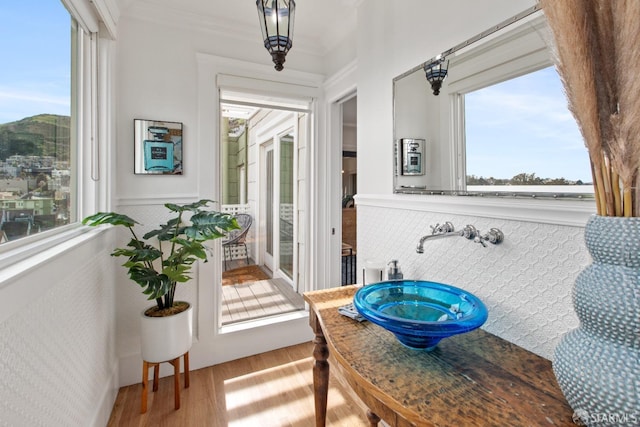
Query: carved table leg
[
  {"x": 320, "y": 375},
  {"x": 373, "y": 418}
]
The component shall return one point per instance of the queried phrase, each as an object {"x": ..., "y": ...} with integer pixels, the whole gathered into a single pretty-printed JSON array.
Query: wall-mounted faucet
[{"x": 469, "y": 232}]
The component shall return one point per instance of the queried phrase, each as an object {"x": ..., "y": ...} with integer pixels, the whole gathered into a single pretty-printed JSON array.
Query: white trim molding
[{"x": 573, "y": 213}]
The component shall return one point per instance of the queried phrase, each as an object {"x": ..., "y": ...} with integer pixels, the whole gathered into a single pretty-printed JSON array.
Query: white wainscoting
[
  {"x": 526, "y": 282},
  {"x": 57, "y": 336}
]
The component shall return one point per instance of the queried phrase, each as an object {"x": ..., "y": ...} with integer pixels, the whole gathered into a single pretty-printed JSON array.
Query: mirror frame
[{"x": 410, "y": 185}]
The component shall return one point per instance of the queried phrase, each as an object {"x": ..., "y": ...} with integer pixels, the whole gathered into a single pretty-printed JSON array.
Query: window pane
[
  {"x": 35, "y": 123},
  {"x": 286, "y": 204},
  {"x": 520, "y": 132}
]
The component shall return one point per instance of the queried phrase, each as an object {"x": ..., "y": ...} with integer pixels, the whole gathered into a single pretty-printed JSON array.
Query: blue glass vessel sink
[{"x": 420, "y": 313}]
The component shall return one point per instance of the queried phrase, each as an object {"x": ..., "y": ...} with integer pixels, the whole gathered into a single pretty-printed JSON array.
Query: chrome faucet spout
[
  {"x": 420, "y": 247},
  {"x": 469, "y": 232}
]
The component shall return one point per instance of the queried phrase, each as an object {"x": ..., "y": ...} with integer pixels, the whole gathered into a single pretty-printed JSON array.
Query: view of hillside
[
  {"x": 521, "y": 179},
  {"x": 41, "y": 135},
  {"x": 36, "y": 176}
]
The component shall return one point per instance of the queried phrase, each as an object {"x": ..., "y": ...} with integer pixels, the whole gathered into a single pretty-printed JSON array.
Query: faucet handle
[
  {"x": 470, "y": 232},
  {"x": 447, "y": 227},
  {"x": 494, "y": 236},
  {"x": 480, "y": 239}
]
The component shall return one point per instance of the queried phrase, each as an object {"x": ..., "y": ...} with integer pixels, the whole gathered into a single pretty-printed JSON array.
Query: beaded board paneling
[
  {"x": 57, "y": 354},
  {"x": 526, "y": 282}
]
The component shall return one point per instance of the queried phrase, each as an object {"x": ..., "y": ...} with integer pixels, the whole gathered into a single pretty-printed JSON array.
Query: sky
[
  {"x": 523, "y": 125},
  {"x": 35, "y": 46}
]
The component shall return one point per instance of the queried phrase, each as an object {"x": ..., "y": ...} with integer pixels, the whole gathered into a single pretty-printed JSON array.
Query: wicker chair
[{"x": 237, "y": 237}]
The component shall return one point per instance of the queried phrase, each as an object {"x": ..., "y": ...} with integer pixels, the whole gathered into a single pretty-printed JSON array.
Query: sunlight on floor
[{"x": 268, "y": 398}]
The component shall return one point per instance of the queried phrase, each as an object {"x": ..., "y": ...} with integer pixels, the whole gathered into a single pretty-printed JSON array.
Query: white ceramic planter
[{"x": 165, "y": 338}]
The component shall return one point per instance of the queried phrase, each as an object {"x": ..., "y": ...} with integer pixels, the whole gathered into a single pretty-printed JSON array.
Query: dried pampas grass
[{"x": 597, "y": 50}]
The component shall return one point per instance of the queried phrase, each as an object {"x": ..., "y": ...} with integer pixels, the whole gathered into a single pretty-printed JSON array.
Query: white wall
[
  {"x": 526, "y": 281},
  {"x": 57, "y": 326}
]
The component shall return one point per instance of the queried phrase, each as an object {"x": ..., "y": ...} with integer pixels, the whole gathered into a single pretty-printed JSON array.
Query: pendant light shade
[
  {"x": 276, "y": 21},
  {"x": 436, "y": 73}
]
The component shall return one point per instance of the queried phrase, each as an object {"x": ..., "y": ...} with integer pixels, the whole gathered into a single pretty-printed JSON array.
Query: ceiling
[{"x": 319, "y": 25}]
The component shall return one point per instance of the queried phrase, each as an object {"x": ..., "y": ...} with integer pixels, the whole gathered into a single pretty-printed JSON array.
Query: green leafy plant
[{"x": 180, "y": 244}]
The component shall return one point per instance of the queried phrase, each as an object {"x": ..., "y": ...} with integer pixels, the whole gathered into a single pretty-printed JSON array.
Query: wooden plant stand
[{"x": 156, "y": 371}]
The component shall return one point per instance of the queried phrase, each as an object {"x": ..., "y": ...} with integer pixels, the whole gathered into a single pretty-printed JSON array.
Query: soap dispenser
[{"x": 394, "y": 272}]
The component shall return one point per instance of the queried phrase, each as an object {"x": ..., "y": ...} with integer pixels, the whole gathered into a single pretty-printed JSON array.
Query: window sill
[
  {"x": 573, "y": 213},
  {"x": 21, "y": 256}
]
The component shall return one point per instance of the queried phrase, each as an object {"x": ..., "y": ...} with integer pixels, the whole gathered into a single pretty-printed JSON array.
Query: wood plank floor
[
  {"x": 273, "y": 389},
  {"x": 257, "y": 299}
]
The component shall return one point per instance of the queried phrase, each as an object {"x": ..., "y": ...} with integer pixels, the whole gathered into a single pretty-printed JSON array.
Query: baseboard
[{"x": 105, "y": 405}]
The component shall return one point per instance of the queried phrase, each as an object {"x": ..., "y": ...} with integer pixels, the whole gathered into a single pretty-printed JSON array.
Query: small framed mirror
[{"x": 157, "y": 147}]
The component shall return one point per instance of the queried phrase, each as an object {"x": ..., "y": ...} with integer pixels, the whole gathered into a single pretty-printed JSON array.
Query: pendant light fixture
[
  {"x": 436, "y": 72},
  {"x": 276, "y": 21}
]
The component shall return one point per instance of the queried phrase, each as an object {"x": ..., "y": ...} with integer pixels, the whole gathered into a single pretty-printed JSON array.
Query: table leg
[
  {"x": 320, "y": 375},
  {"x": 373, "y": 418}
]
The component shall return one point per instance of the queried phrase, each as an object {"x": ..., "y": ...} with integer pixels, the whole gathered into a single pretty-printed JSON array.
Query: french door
[
  {"x": 278, "y": 204},
  {"x": 269, "y": 193}
]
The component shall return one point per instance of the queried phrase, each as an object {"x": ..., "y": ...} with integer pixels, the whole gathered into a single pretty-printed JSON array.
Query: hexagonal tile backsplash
[{"x": 526, "y": 281}]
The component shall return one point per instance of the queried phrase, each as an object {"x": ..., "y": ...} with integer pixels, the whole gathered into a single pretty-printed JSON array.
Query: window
[
  {"x": 36, "y": 123},
  {"x": 513, "y": 133},
  {"x": 520, "y": 136}
]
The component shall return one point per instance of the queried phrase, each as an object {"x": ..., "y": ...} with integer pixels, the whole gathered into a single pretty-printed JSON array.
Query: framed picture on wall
[{"x": 157, "y": 147}]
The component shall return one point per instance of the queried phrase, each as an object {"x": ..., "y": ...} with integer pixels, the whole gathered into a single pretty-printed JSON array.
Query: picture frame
[{"x": 157, "y": 147}]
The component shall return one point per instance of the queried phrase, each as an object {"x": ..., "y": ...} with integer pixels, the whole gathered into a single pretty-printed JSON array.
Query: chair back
[{"x": 239, "y": 236}]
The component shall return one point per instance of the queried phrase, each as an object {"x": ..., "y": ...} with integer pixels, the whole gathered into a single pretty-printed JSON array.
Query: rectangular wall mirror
[
  {"x": 157, "y": 147},
  {"x": 499, "y": 125}
]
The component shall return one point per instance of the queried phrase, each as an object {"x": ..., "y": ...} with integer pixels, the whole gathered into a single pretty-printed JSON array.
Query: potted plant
[
  {"x": 160, "y": 260},
  {"x": 597, "y": 48}
]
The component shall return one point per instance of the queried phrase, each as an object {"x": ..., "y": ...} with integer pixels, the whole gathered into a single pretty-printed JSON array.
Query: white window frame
[
  {"x": 520, "y": 51},
  {"x": 90, "y": 129}
]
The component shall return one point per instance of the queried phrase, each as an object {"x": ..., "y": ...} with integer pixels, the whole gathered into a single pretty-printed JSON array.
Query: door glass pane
[
  {"x": 286, "y": 204},
  {"x": 269, "y": 205}
]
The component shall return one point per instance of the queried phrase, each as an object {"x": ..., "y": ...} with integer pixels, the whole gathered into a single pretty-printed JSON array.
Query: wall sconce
[
  {"x": 436, "y": 72},
  {"x": 276, "y": 22}
]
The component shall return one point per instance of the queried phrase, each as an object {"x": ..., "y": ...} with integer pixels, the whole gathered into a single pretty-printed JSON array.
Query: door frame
[
  {"x": 213, "y": 344},
  {"x": 340, "y": 88}
]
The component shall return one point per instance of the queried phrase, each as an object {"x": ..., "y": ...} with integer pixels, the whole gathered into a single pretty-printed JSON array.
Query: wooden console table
[{"x": 470, "y": 379}]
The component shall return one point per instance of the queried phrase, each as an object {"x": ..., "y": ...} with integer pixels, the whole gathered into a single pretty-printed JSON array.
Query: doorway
[
  {"x": 349, "y": 189},
  {"x": 260, "y": 157}
]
